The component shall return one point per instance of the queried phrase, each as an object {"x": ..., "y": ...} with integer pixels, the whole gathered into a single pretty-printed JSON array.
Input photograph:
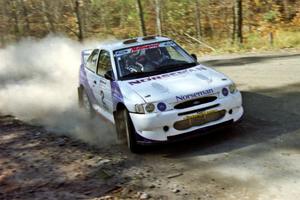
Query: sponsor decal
[
  {"x": 122, "y": 52},
  {"x": 147, "y": 46},
  {"x": 116, "y": 92},
  {"x": 161, "y": 106},
  {"x": 225, "y": 92},
  {"x": 163, "y": 76},
  {"x": 194, "y": 95},
  {"x": 166, "y": 44}
]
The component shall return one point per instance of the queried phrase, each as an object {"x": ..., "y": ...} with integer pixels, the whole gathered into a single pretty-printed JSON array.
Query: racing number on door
[
  {"x": 104, "y": 65},
  {"x": 102, "y": 99},
  {"x": 102, "y": 96}
]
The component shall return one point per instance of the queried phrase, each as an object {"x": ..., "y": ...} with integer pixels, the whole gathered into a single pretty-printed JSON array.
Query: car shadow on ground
[
  {"x": 244, "y": 60},
  {"x": 269, "y": 113}
]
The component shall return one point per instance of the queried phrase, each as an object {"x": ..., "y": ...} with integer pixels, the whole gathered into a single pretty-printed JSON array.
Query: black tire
[
  {"x": 125, "y": 130},
  {"x": 84, "y": 102}
]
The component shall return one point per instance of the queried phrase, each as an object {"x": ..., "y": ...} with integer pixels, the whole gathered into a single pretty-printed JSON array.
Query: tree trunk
[
  {"x": 271, "y": 38},
  {"x": 46, "y": 20},
  {"x": 198, "y": 20},
  {"x": 287, "y": 13},
  {"x": 141, "y": 17},
  {"x": 79, "y": 20},
  {"x": 2, "y": 44},
  {"x": 123, "y": 14},
  {"x": 209, "y": 28},
  {"x": 233, "y": 25},
  {"x": 26, "y": 17},
  {"x": 3, "y": 30},
  {"x": 158, "y": 17},
  {"x": 239, "y": 21},
  {"x": 17, "y": 31}
]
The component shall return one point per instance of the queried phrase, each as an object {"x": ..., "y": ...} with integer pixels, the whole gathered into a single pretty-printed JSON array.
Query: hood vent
[{"x": 195, "y": 102}]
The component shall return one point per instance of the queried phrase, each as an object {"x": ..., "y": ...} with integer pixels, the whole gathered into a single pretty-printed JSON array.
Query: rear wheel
[
  {"x": 84, "y": 102},
  {"x": 125, "y": 130}
]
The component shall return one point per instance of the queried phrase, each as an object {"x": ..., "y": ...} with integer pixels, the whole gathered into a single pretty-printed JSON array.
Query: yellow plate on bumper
[
  {"x": 201, "y": 115},
  {"x": 199, "y": 119}
]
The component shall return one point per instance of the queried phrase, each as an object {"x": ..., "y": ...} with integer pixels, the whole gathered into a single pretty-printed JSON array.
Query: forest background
[{"x": 202, "y": 26}]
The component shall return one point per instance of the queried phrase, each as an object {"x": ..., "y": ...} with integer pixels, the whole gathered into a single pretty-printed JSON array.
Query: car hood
[{"x": 179, "y": 85}]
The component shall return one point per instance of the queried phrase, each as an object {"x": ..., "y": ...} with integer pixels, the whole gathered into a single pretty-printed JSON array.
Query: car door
[
  {"x": 104, "y": 65},
  {"x": 93, "y": 78}
]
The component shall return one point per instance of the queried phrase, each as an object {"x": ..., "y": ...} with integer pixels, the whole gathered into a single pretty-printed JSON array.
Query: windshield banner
[{"x": 143, "y": 47}]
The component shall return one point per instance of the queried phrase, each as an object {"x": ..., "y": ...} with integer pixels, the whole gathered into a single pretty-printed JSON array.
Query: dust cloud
[{"x": 38, "y": 84}]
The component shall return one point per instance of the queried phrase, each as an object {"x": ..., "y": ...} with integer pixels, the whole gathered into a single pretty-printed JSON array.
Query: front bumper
[{"x": 152, "y": 127}]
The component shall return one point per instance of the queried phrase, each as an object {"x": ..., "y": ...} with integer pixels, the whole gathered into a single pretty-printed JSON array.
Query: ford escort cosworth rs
[{"x": 154, "y": 91}]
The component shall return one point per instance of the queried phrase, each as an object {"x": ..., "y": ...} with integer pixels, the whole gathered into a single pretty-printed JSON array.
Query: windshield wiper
[
  {"x": 164, "y": 68},
  {"x": 139, "y": 74},
  {"x": 173, "y": 67}
]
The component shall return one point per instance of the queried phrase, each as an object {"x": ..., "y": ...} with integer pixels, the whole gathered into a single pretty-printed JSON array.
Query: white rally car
[{"x": 154, "y": 91}]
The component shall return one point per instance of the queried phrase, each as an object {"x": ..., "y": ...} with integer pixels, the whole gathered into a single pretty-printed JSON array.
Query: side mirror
[
  {"x": 109, "y": 75},
  {"x": 194, "y": 56}
]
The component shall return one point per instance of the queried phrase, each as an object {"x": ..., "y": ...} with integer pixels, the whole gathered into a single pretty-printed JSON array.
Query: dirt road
[{"x": 258, "y": 159}]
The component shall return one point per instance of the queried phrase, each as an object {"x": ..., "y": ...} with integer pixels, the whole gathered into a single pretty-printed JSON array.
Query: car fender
[{"x": 125, "y": 95}]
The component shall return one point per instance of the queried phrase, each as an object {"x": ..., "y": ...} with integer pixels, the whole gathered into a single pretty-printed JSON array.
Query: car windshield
[{"x": 151, "y": 59}]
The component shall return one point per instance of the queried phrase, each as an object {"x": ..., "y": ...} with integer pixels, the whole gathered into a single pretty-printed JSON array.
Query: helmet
[{"x": 153, "y": 54}]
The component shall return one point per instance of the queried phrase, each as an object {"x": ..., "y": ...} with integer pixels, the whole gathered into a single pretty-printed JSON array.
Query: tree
[
  {"x": 47, "y": 18},
  {"x": 26, "y": 27},
  {"x": 141, "y": 17},
  {"x": 239, "y": 20},
  {"x": 233, "y": 25},
  {"x": 158, "y": 17},
  {"x": 3, "y": 29},
  {"x": 198, "y": 20},
  {"x": 211, "y": 21},
  {"x": 79, "y": 19},
  {"x": 15, "y": 16}
]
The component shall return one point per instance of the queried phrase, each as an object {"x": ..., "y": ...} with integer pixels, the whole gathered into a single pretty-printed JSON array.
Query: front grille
[
  {"x": 195, "y": 102},
  {"x": 199, "y": 119}
]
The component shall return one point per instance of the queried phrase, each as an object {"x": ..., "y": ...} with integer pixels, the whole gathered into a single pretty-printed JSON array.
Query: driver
[
  {"x": 154, "y": 58},
  {"x": 131, "y": 63}
]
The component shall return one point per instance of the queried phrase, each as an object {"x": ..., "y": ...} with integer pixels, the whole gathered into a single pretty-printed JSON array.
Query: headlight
[
  {"x": 139, "y": 108},
  {"x": 232, "y": 88},
  {"x": 150, "y": 107}
]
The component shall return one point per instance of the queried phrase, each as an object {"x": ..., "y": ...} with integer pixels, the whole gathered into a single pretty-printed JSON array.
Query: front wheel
[{"x": 125, "y": 130}]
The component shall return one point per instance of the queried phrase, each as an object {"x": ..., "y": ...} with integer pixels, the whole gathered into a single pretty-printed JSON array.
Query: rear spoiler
[{"x": 85, "y": 55}]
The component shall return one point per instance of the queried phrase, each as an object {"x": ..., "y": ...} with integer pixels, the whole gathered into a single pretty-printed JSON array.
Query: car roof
[{"x": 121, "y": 44}]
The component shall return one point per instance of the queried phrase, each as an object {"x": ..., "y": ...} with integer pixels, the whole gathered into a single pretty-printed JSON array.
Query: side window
[
  {"x": 104, "y": 63},
  {"x": 92, "y": 60}
]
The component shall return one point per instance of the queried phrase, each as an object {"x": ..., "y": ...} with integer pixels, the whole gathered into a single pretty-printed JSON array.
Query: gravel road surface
[{"x": 257, "y": 159}]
